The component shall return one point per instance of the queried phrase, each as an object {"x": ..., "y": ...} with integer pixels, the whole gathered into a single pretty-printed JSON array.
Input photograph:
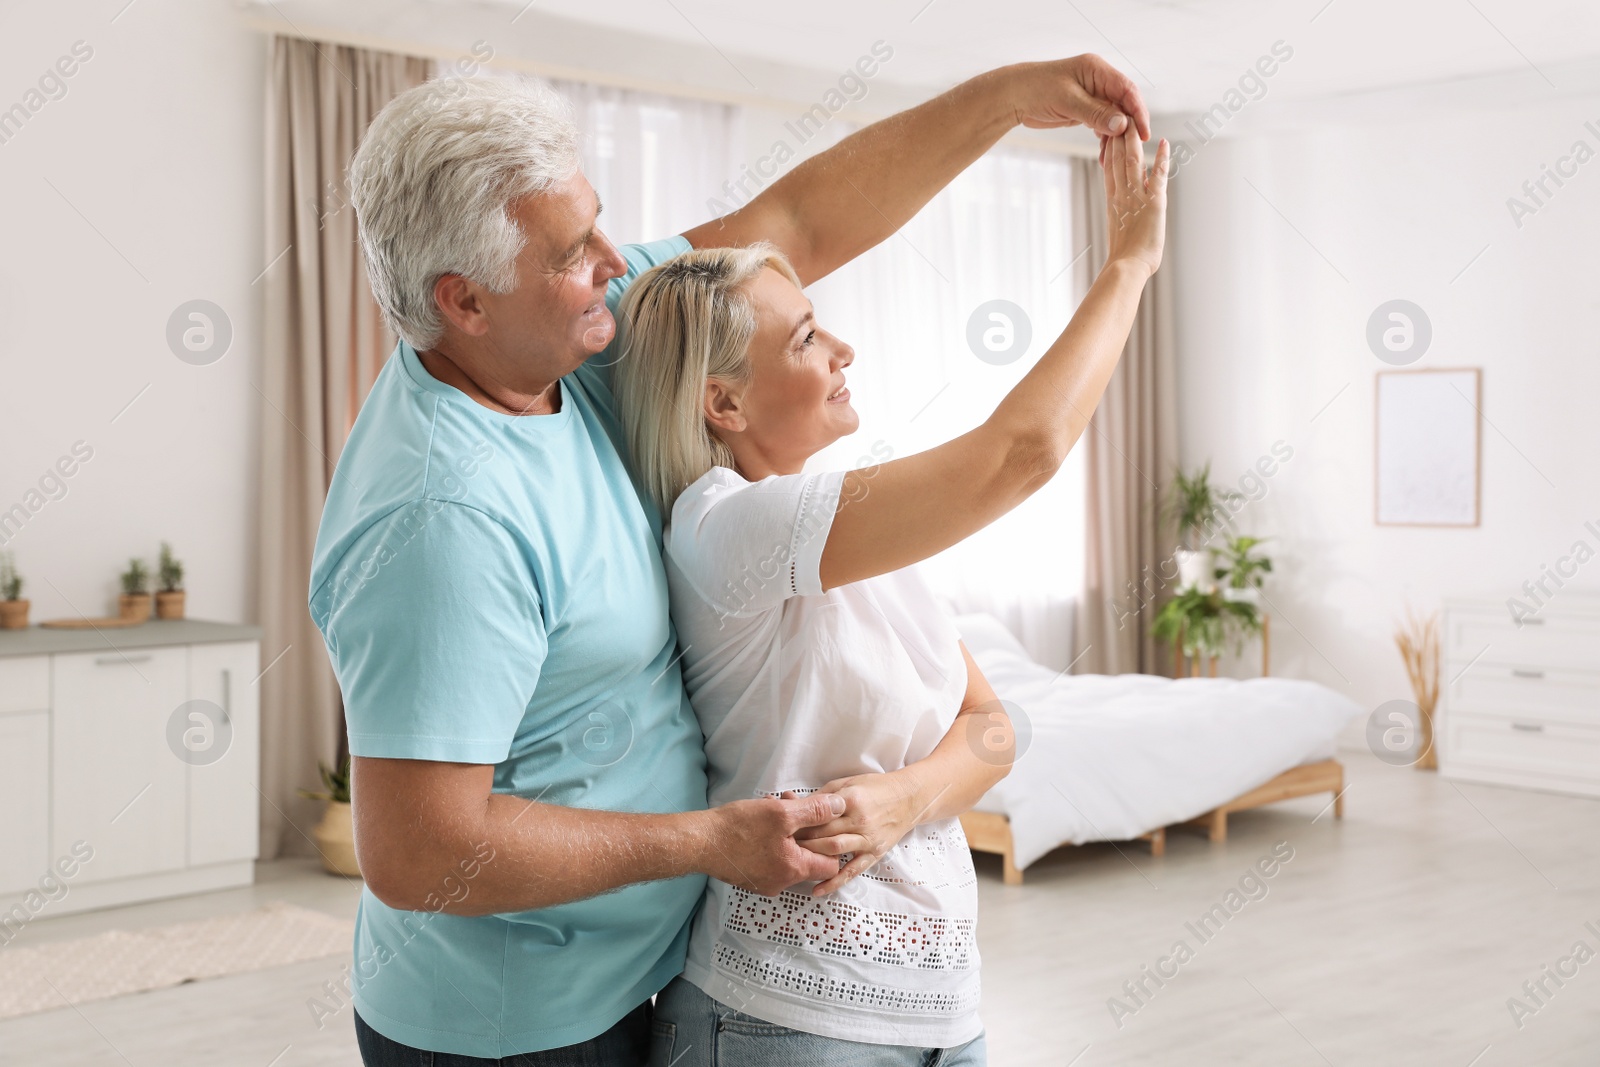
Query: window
[{"x": 1002, "y": 230}]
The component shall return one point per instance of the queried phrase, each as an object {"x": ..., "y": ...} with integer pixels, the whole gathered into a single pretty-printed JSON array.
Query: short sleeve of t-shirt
[
  {"x": 438, "y": 633},
  {"x": 745, "y": 546}
]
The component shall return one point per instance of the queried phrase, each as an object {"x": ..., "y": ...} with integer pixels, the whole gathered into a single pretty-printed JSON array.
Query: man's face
[{"x": 556, "y": 317}]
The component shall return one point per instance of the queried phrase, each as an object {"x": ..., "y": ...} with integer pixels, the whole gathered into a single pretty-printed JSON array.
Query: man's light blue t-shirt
[{"x": 491, "y": 591}]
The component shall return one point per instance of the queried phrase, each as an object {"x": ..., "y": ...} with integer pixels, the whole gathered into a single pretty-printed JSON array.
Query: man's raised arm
[{"x": 841, "y": 202}]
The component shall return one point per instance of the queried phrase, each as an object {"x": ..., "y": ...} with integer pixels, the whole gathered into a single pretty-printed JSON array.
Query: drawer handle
[
  {"x": 1532, "y": 620},
  {"x": 114, "y": 661},
  {"x": 1529, "y": 727},
  {"x": 1518, "y": 673}
]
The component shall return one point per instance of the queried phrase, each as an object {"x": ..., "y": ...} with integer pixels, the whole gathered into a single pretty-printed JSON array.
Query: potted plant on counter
[
  {"x": 134, "y": 604},
  {"x": 335, "y": 835},
  {"x": 13, "y": 609},
  {"x": 169, "y": 573},
  {"x": 1198, "y": 508}
]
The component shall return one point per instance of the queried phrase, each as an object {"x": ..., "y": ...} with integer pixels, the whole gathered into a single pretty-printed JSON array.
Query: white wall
[
  {"x": 154, "y": 154},
  {"x": 1269, "y": 333}
]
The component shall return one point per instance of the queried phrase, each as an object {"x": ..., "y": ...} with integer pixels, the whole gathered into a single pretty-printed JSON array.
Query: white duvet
[{"x": 1111, "y": 757}]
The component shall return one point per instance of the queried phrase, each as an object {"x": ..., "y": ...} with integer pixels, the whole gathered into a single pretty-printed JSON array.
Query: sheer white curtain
[
  {"x": 653, "y": 159},
  {"x": 1001, "y": 231}
]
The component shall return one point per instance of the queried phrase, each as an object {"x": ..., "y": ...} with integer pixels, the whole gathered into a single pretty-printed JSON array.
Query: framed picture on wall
[{"x": 1427, "y": 427}]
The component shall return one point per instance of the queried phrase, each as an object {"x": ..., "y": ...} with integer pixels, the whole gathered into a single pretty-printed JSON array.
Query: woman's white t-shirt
[{"x": 793, "y": 688}]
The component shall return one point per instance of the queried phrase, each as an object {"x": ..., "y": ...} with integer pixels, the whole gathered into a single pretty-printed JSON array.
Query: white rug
[{"x": 132, "y": 961}]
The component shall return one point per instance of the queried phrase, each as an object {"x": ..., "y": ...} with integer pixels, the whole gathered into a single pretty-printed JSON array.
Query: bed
[{"x": 1124, "y": 757}]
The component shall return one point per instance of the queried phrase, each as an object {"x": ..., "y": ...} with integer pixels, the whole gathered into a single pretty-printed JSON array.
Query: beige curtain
[
  {"x": 1132, "y": 445},
  {"x": 323, "y": 344}
]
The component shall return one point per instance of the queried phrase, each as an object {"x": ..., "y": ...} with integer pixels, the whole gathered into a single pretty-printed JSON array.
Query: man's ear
[
  {"x": 722, "y": 406},
  {"x": 458, "y": 301}
]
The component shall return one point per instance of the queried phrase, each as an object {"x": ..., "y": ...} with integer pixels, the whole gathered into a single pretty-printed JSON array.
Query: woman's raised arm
[{"x": 901, "y": 512}]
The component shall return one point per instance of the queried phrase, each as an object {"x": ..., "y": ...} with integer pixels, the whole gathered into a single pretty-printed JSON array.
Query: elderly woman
[{"x": 815, "y": 659}]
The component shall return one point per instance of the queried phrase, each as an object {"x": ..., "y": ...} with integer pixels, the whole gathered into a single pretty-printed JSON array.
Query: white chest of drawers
[
  {"x": 1520, "y": 704},
  {"x": 88, "y": 765}
]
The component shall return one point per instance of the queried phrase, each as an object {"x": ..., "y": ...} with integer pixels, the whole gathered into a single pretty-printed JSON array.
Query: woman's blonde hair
[{"x": 684, "y": 322}]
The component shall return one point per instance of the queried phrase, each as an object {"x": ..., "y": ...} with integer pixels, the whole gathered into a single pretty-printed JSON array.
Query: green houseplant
[
  {"x": 169, "y": 575},
  {"x": 1205, "y": 623},
  {"x": 134, "y": 604},
  {"x": 1239, "y": 570},
  {"x": 13, "y": 609},
  {"x": 1197, "y": 508},
  {"x": 335, "y": 835}
]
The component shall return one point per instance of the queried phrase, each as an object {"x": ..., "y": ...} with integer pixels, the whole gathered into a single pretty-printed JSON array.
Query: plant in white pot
[
  {"x": 13, "y": 609},
  {"x": 1203, "y": 623},
  {"x": 1240, "y": 572},
  {"x": 1198, "y": 508},
  {"x": 335, "y": 835}
]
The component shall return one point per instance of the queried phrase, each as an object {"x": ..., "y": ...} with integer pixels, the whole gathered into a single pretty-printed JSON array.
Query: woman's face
[{"x": 795, "y": 403}]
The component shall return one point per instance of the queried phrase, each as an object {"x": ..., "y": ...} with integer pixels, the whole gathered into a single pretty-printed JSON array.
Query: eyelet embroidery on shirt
[
  {"x": 835, "y": 927},
  {"x": 935, "y": 861},
  {"x": 787, "y": 978}
]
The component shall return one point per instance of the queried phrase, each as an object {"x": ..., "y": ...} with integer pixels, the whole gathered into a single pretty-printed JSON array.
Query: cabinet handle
[
  {"x": 227, "y": 695},
  {"x": 1517, "y": 672},
  {"x": 1533, "y": 620},
  {"x": 114, "y": 661},
  {"x": 1529, "y": 727}
]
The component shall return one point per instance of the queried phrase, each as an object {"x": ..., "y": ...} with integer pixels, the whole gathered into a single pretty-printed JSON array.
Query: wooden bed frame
[{"x": 988, "y": 831}]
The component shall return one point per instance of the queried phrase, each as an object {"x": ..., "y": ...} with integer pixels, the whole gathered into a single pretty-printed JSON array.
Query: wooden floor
[{"x": 1393, "y": 937}]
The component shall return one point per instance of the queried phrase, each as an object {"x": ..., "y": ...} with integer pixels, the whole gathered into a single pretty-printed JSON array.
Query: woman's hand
[
  {"x": 880, "y": 809},
  {"x": 1136, "y": 201}
]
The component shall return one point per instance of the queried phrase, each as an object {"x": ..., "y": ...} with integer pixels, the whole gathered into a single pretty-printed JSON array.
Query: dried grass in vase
[{"x": 1418, "y": 641}]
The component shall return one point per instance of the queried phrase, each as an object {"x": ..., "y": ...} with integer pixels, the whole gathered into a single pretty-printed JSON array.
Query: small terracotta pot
[
  {"x": 335, "y": 836},
  {"x": 13, "y": 614},
  {"x": 135, "y": 607},
  {"x": 169, "y": 605}
]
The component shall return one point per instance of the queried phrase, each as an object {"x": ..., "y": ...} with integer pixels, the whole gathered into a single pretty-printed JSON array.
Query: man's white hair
[{"x": 433, "y": 184}]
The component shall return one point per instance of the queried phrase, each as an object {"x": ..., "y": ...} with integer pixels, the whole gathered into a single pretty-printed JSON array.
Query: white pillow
[{"x": 983, "y": 632}]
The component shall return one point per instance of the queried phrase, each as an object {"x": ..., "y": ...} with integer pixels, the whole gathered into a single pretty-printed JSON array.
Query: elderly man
[{"x": 528, "y": 775}]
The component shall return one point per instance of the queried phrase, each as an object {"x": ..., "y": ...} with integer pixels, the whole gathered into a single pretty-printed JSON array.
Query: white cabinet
[
  {"x": 116, "y": 785},
  {"x": 222, "y": 792},
  {"x": 1521, "y": 703},
  {"x": 24, "y": 797},
  {"x": 112, "y": 763},
  {"x": 25, "y": 683}
]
